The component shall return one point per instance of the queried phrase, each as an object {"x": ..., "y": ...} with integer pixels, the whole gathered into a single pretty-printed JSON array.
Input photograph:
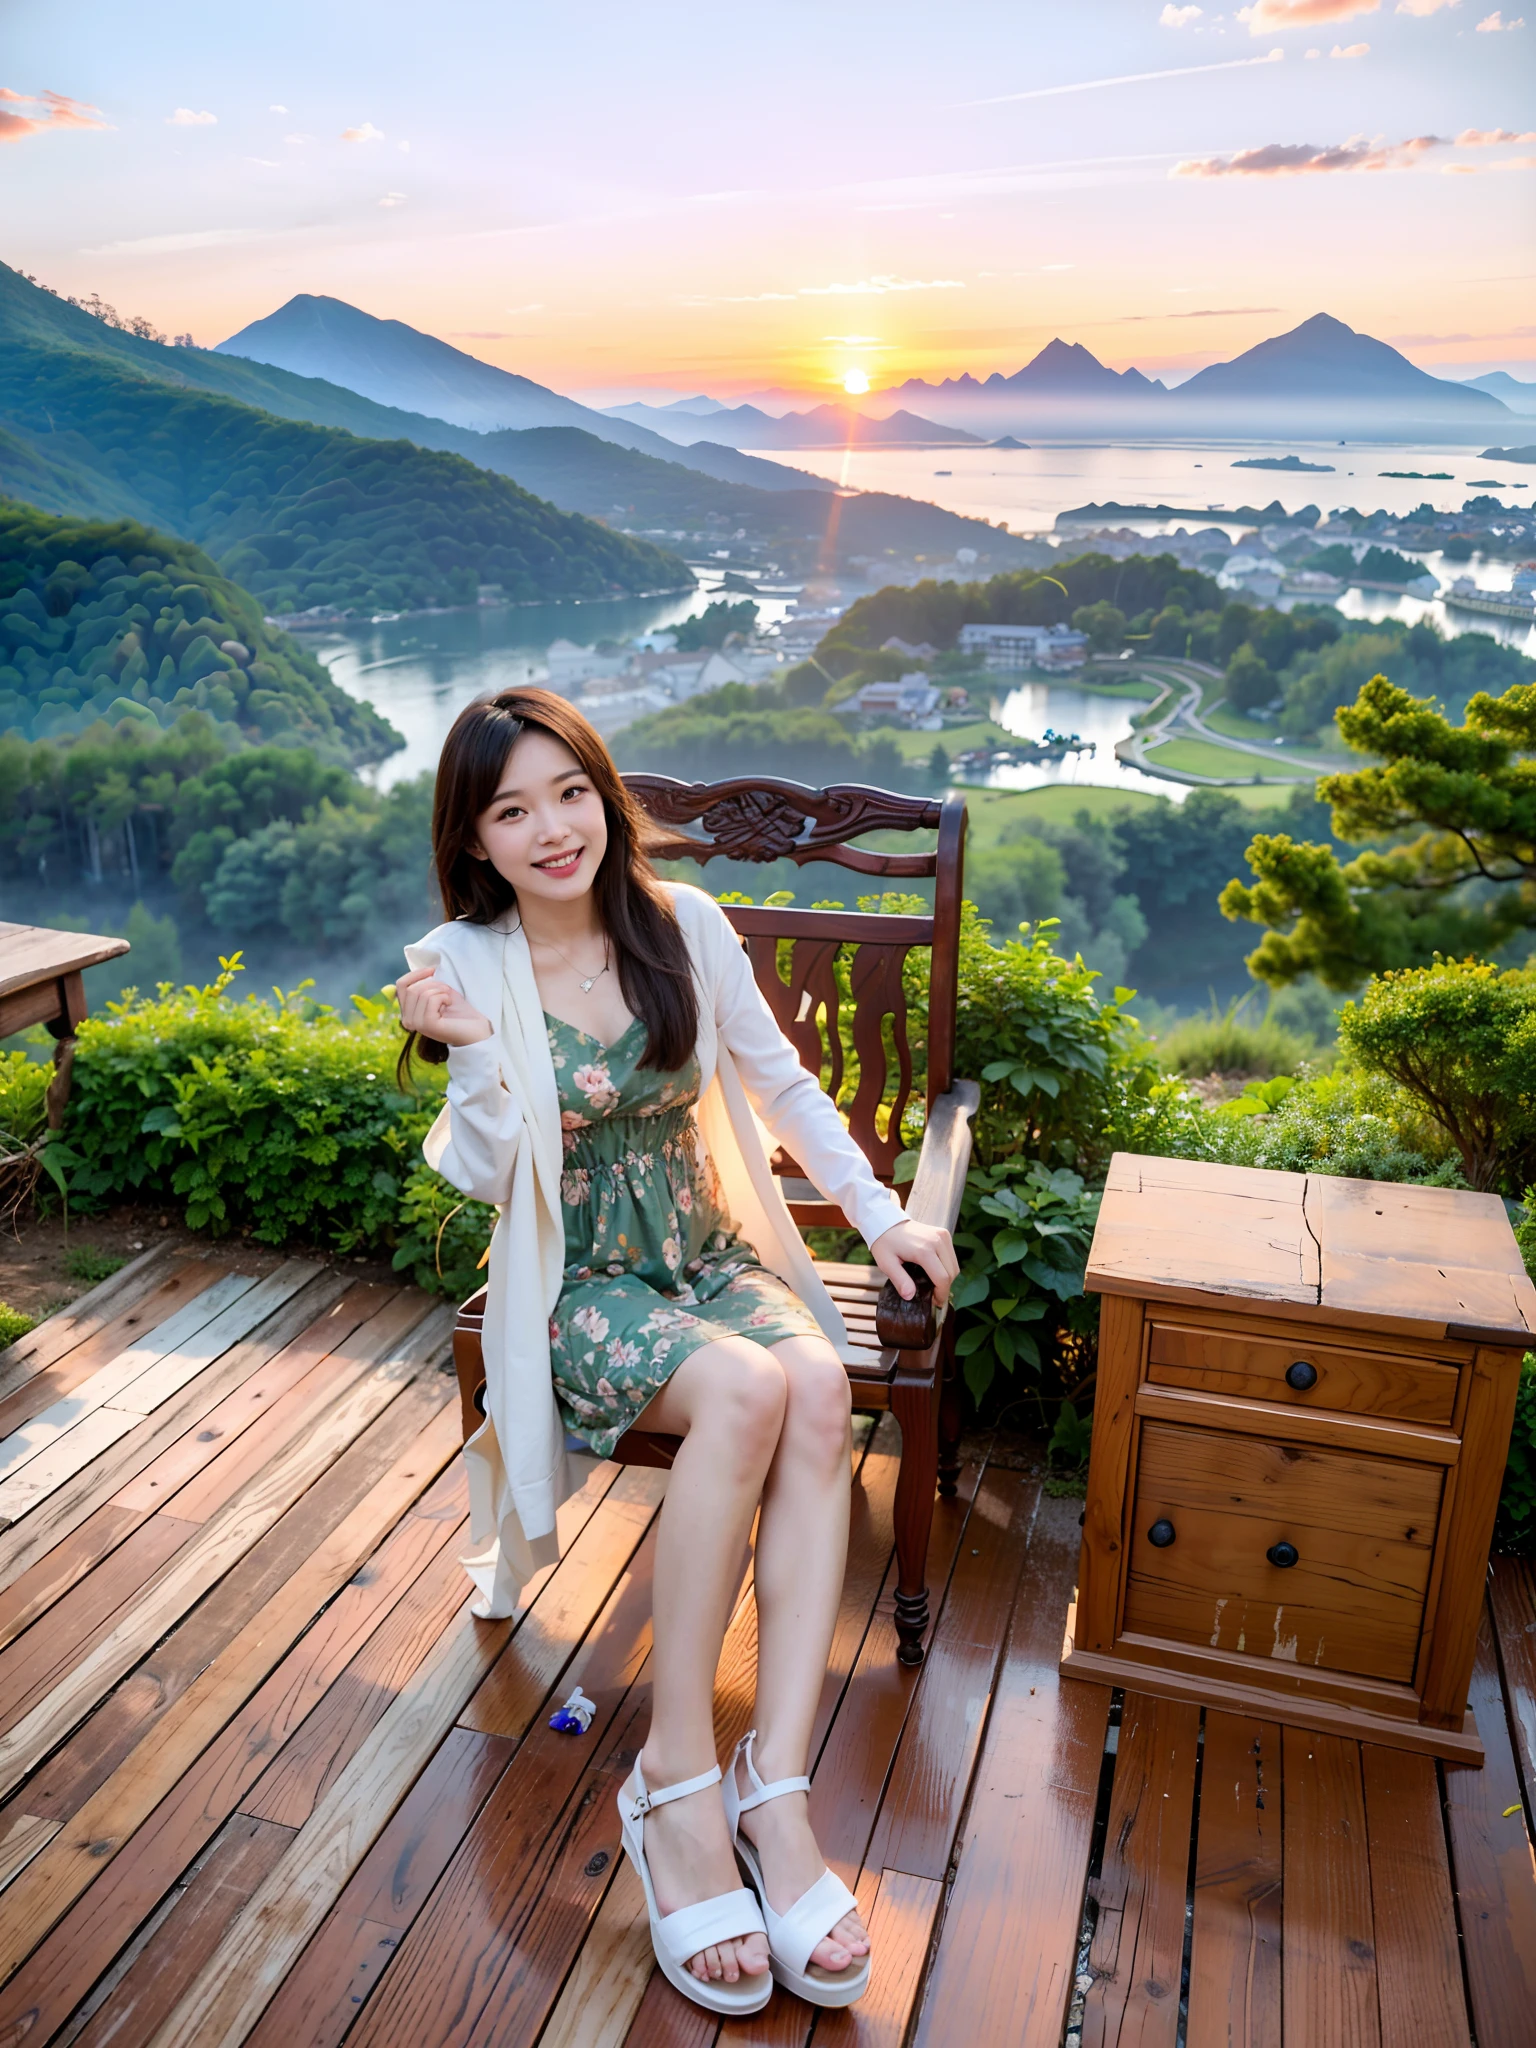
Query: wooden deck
[{"x": 264, "y": 1780}]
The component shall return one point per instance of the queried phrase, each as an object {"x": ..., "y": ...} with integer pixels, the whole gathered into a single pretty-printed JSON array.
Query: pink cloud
[
  {"x": 1265, "y": 16},
  {"x": 1484, "y": 138},
  {"x": 1492, "y": 23},
  {"x": 1294, "y": 159},
  {"x": 58, "y": 110},
  {"x": 1353, "y": 50}
]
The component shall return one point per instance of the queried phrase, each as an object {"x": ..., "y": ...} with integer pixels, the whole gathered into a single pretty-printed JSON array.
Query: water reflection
[
  {"x": 421, "y": 671},
  {"x": 1028, "y": 708}
]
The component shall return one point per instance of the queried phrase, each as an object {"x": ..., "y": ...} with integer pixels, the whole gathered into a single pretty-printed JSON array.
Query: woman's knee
[
  {"x": 819, "y": 1401},
  {"x": 746, "y": 1392}
]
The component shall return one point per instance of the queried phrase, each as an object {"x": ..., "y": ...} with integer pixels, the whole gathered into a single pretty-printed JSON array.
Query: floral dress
[{"x": 653, "y": 1266}]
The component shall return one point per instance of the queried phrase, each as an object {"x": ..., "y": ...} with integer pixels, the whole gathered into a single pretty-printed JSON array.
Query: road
[{"x": 1176, "y": 715}]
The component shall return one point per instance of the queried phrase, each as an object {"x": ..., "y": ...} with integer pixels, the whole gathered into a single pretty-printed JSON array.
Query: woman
[{"x": 609, "y": 1058}]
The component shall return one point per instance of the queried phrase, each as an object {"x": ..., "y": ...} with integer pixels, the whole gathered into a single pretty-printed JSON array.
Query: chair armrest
[{"x": 942, "y": 1164}]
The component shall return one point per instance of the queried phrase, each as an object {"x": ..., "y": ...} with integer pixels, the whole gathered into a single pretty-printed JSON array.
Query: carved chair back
[{"x": 794, "y": 953}]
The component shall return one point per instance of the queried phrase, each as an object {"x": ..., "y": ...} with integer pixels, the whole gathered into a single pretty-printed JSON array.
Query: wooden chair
[{"x": 906, "y": 1361}]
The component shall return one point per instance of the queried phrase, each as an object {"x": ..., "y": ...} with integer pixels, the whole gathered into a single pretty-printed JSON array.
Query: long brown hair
[{"x": 636, "y": 914}]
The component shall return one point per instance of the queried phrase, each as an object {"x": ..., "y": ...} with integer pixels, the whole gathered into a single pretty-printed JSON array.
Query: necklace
[{"x": 584, "y": 983}]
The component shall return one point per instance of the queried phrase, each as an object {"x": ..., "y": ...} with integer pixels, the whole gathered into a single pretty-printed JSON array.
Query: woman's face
[{"x": 545, "y": 832}]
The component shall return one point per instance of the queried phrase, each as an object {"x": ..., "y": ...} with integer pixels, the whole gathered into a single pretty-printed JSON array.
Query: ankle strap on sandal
[
  {"x": 761, "y": 1793},
  {"x": 646, "y": 1798}
]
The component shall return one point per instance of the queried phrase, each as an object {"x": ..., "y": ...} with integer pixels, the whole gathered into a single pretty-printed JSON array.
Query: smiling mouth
[{"x": 559, "y": 863}]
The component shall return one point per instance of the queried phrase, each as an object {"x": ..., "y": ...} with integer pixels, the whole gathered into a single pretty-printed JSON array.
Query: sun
[{"x": 855, "y": 383}]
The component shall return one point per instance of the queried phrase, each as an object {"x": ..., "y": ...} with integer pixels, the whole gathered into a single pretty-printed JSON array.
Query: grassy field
[
  {"x": 1138, "y": 686},
  {"x": 1200, "y": 757},
  {"x": 954, "y": 739},
  {"x": 991, "y": 810}
]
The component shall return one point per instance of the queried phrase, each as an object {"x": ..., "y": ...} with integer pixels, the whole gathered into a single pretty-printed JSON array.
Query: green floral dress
[{"x": 653, "y": 1266}]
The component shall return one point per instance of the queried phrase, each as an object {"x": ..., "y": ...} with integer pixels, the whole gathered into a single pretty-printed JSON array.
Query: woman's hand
[
  {"x": 918, "y": 1244},
  {"x": 433, "y": 1009}
]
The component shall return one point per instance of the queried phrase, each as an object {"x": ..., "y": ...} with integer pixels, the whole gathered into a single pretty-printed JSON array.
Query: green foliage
[
  {"x": 1357, "y": 1125},
  {"x": 1319, "y": 681},
  {"x": 1023, "y": 1238},
  {"x": 1377, "y": 565},
  {"x": 935, "y": 612},
  {"x": 1071, "y": 1439},
  {"x": 1104, "y": 624},
  {"x": 13, "y": 1324},
  {"x": 307, "y": 515},
  {"x": 1472, "y": 785},
  {"x": 113, "y": 622},
  {"x": 280, "y": 1120},
  {"x": 1460, "y": 1038},
  {"x": 443, "y": 1235},
  {"x": 1250, "y": 680},
  {"x": 1515, "y": 1528},
  {"x": 23, "y": 1092},
  {"x": 712, "y": 735},
  {"x": 1229, "y": 1041},
  {"x": 710, "y": 627},
  {"x": 88, "y": 1264}
]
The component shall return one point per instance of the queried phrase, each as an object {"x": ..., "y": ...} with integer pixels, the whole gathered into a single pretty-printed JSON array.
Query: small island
[
  {"x": 1007, "y": 441},
  {"x": 1507, "y": 454},
  {"x": 1290, "y": 463},
  {"x": 1422, "y": 476}
]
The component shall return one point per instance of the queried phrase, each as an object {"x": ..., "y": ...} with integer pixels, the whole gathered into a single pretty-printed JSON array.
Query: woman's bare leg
[
  {"x": 802, "y": 1549},
  {"x": 726, "y": 1401}
]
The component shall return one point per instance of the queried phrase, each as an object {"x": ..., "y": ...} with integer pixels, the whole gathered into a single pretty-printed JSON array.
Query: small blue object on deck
[{"x": 575, "y": 1717}]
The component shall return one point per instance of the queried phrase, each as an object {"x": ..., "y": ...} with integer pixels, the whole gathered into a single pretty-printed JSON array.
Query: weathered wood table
[
  {"x": 40, "y": 983},
  {"x": 1302, "y": 1416}
]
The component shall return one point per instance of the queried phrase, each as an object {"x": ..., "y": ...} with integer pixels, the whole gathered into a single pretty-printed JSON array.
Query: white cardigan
[{"x": 498, "y": 1138}]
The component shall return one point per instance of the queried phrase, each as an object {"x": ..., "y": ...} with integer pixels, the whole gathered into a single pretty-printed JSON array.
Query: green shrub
[
  {"x": 1226, "y": 1041},
  {"x": 88, "y": 1264},
  {"x": 278, "y": 1119},
  {"x": 13, "y": 1324},
  {"x": 1515, "y": 1528},
  {"x": 1460, "y": 1039}
]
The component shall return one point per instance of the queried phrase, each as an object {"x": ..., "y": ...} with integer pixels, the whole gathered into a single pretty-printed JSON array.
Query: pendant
[{"x": 586, "y": 986}]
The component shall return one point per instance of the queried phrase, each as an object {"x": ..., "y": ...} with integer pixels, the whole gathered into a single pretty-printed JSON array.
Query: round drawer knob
[
  {"x": 1301, "y": 1376},
  {"x": 1283, "y": 1555},
  {"x": 1161, "y": 1533}
]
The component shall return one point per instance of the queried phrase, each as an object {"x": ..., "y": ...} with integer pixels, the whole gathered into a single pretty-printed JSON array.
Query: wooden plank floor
[{"x": 264, "y": 1780}]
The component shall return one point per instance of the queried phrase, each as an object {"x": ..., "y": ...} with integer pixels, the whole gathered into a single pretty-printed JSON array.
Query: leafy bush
[
  {"x": 1515, "y": 1528},
  {"x": 1356, "y": 1125},
  {"x": 1226, "y": 1041},
  {"x": 277, "y": 1119},
  {"x": 1460, "y": 1039},
  {"x": 14, "y": 1323}
]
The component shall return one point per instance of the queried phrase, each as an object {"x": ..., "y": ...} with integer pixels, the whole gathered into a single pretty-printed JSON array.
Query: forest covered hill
[
  {"x": 303, "y": 515},
  {"x": 113, "y": 621}
]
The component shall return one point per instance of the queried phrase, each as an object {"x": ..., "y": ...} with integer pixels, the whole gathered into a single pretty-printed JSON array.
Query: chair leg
[
  {"x": 915, "y": 1404},
  {"x": 951, "y": 1422}
]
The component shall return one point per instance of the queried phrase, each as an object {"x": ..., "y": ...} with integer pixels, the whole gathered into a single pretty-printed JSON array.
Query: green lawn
[
  {"x": 1139, "y": 686},
  {"x": 1200, "y": 757},
  {"x": 1220, "y": 717},
  {"x": 954, "y": 739},
  {"x": 991, "y": 810}
]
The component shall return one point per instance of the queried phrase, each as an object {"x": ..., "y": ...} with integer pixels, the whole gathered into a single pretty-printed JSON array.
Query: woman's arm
[
  {"x": 474, "y": 1141},
  {"x": 805, "y": 1121}
]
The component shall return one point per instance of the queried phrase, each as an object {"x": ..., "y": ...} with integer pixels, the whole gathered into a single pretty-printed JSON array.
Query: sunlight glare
[{"x": 855, "y": 383}]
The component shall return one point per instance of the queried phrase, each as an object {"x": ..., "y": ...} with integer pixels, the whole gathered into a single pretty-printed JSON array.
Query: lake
[{"x": 421, "y": 671}]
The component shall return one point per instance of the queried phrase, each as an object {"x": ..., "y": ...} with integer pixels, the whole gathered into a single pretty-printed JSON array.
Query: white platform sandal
[
  {"x": 677, "y": 1936},
  {"x": 793, "y": 1935}
]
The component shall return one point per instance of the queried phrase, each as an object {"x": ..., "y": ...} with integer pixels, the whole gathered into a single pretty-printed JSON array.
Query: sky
[{"x": 623, "y": 201}]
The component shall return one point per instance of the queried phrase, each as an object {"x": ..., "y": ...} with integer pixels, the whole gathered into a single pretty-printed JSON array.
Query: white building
[
  {"x": 913, "y": 699},
  {"x": 570, "y": 664},
  {"x": 1015, "y": 647}
]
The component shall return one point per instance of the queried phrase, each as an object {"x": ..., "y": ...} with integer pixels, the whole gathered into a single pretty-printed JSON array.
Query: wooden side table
[
  {"x": 1304, "y": 1398},
  {"x": 40, "y": 983}
]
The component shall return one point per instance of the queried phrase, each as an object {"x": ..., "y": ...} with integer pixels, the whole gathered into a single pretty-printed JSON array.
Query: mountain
[
  {"x": 388, "y": 514},
  {"x": 301, "y": 514},
  {"x": 1508, "y": 390},
  {"x": 824, "y": 426},
  {"x": 415, "y": 373},
  {"x": 1322, "y": 379},
  {"x": 1323, "y": 370}
]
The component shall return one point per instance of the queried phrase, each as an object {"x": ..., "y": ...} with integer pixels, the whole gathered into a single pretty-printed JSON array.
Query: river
[{"x": 420, "y": 671}]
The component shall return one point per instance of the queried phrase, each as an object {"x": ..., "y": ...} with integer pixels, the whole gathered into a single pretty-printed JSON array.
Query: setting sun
[{"x": 855, "y": 383}]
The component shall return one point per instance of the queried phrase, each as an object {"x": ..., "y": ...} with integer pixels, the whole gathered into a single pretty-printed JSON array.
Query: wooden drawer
[
  {"x": 1363, "y": 1529},
  {"x": 1223, "y": 1361}
]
